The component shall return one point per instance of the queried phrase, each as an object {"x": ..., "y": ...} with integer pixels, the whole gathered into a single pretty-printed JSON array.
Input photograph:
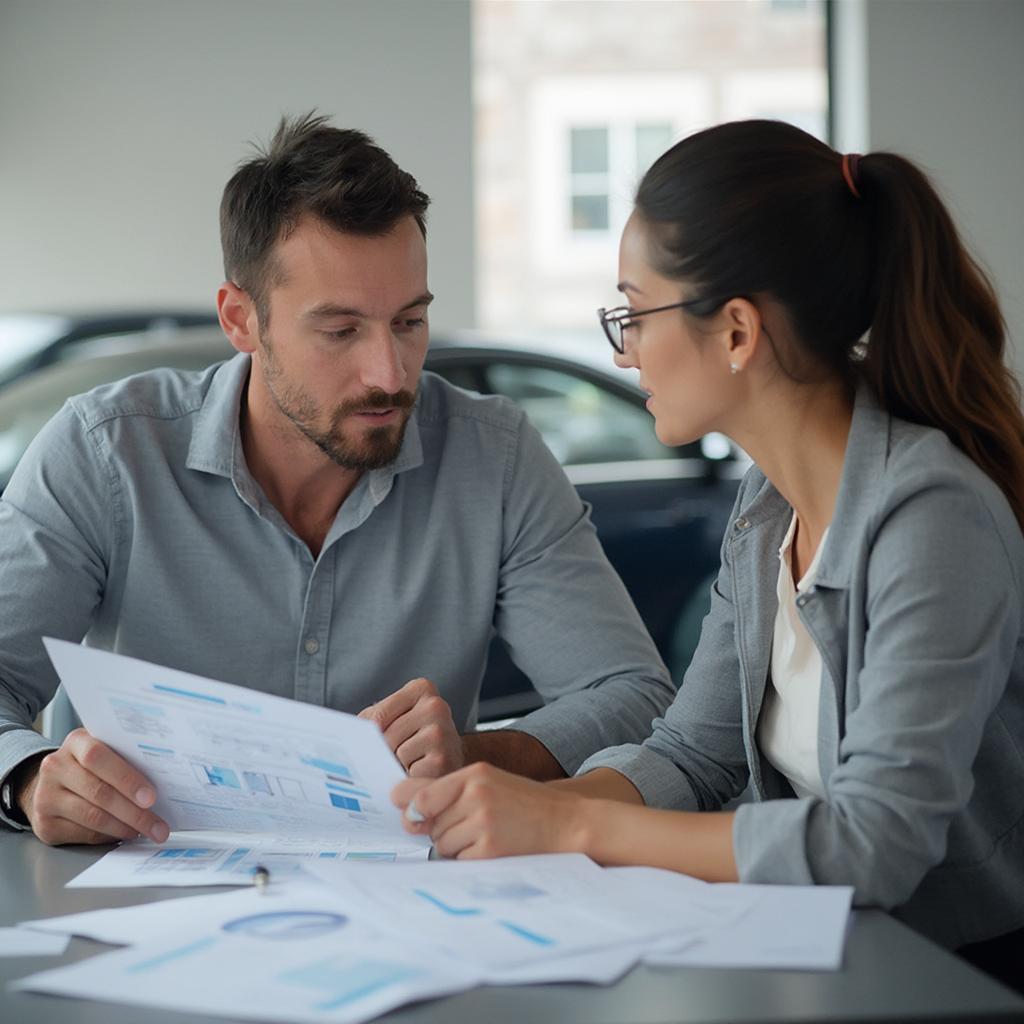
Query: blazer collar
[{"x": 867, "y": 450}]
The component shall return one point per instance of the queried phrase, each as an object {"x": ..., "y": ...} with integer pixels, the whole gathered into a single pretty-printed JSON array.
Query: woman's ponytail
[{"x": 936, "y": 347}]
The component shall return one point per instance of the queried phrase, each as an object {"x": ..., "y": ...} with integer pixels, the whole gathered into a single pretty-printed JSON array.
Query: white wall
[
  {"x": 945, "y": 86},
  {"x": 121, "y": 120}
]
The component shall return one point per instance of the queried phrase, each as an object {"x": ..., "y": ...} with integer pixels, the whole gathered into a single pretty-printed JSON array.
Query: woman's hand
[{"x": 481, "y": 811}]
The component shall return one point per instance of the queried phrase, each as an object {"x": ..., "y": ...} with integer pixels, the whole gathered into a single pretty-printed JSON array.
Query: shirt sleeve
[
  {"x": 942, "y": 619},
  {"x": 567, "y": 618},
  {"x": 57, "y": 517}
]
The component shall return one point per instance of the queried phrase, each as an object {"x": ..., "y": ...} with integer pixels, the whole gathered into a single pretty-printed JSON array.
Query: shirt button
[
  {"x": 741, "y": 523},
  {"x": 801, "y": 601},
  {"x": 312, "y": 645}
]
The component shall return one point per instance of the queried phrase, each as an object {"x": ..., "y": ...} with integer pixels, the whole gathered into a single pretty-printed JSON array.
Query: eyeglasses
[{"x": 615, "y": 321}]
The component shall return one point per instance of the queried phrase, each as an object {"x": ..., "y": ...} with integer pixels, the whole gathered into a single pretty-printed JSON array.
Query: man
[{"x": 311, "y": 518}]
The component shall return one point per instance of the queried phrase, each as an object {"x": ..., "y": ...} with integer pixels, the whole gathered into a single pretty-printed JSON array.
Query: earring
[{"x": 734, "y": 368}]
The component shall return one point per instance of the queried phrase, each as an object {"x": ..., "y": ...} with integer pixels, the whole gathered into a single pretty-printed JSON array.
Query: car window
[
  {"x": 462, "y": 375},
  {"x": 580, "y": 421}
]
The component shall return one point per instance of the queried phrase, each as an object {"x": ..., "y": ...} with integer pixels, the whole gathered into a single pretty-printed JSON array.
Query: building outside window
[{"x": 574, "y": 101}]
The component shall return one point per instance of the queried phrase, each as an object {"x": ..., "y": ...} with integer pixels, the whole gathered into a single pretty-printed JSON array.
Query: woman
[{"x": 860, "y": 666}]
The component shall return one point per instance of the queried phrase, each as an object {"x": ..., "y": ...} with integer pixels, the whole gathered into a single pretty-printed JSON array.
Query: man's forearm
[{"x": 513, "y": 751}]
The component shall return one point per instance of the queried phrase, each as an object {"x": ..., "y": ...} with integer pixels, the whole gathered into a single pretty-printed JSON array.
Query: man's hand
[
  {"x": 417, "y": 724},
  {"x": 85, "y": 793}
]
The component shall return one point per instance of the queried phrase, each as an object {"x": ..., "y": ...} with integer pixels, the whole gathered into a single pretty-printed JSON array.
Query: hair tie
[{"x": 850, "y": 161}]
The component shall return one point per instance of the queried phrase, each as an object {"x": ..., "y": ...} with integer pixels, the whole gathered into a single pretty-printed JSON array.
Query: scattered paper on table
[
  {"x": 22, "y": 942},
  {"x": 565, "y": 897},
  {"x": 279, "y": 955},
  {"x": 496, "y": 914},
  {"x": 377, "y": 936},
  {"x": 506, "y": 914}
]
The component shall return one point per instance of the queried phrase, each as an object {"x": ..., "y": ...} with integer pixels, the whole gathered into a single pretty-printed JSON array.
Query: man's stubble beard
[{"x": 377, "y": 447}]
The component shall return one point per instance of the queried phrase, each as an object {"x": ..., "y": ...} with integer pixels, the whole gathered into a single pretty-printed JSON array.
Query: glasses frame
[{"x": 615, "y": 320}]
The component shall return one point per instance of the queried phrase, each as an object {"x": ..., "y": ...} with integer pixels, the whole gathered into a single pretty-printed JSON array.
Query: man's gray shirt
[{"x": 134, "y": 523}]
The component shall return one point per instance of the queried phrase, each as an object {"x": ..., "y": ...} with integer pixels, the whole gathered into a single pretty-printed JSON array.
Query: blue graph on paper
[
  {"x": 465, "y": 912},
  {"x": 221, "y": 776},
  {"x": 330, "y": 767},
  {"x": 346, "y": 982},
  {"x": 287, "y": 924},
  {"x": 447, "y": 908}
]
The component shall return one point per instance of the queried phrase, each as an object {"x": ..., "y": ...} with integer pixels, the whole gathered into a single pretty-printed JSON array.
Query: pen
[{"x": 261, "y": 878}]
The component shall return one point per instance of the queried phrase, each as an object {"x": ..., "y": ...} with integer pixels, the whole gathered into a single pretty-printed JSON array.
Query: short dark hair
[{"x": 338, "y": 175}]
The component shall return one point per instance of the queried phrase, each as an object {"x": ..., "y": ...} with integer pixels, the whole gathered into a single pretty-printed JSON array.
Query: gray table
[{"x": 890, "y": 973}]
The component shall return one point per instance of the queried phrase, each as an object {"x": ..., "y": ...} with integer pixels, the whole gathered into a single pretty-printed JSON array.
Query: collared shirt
[{"x": 133, "y": 522}]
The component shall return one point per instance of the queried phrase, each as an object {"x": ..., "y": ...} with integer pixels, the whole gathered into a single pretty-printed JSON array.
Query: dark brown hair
[
  {"x": 761, "y": 206},
  {"x": 338, "y": 175}
]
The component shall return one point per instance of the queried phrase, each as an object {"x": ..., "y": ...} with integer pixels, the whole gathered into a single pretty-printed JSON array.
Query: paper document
[
  {"x": 288, "y": 955},
  {"x": 227, "y": 757},
  {"x": 21, "y": 942},
  {"x": 219, "y": 858},
  {"x": 672, "y": 904},
  {"x": 129, "y": 926},
  {"x": 564, "y": 899},
  {"x": 494, "y": 913},
  {"x": 789, "y": 926}
]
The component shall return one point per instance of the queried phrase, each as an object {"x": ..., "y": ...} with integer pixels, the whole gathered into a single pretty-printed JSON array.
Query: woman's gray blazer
[{"x": 916, "y": 611}]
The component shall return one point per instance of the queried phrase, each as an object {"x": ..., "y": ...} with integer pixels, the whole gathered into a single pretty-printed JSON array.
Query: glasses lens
[{"x": 612, "y": 330}]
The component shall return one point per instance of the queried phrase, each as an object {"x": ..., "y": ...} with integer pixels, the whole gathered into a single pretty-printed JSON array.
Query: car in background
[
  {"x": 660, "y": 512},
  {"x": 30, "y": 341}
]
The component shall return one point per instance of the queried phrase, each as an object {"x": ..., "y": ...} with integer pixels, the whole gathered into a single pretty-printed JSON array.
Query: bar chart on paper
[
  {"x": 228, "y": 758},
  {"x": 280, "y": 782}
]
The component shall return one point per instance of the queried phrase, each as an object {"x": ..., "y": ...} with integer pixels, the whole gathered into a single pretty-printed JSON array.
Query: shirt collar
[
  {"x": 810, "y": 575},
  {"x": 410, "y": 456},
  {"x": 216, "y": 445},
  {"x": 217, "y": 423}
]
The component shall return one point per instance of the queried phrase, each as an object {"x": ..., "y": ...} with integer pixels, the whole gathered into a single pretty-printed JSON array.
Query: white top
[{"x": 787, "y": 731}]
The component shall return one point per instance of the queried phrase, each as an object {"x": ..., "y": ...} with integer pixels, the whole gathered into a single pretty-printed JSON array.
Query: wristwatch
[{"x": 8, "y": 802}]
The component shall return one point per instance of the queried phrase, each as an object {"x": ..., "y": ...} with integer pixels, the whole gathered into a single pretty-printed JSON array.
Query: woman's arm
[
  {"x": 602, "y": 784},
  {"x": 481, "y": 812}
]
